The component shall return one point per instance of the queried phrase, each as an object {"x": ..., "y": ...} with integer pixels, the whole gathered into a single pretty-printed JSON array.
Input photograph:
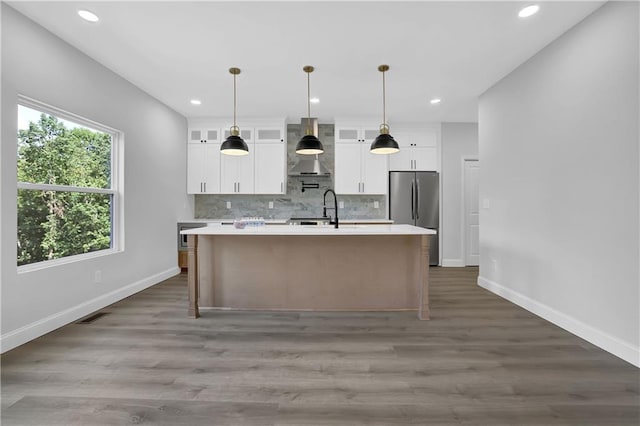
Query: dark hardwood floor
[{"x": 480, "y": 361}]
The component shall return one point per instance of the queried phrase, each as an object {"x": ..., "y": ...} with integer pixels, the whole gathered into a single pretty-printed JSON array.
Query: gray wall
[
  {"x": 41, "y": 66},
  {"x": 294, "y": 203},
  {"x": 459, "y": 141},
  {"x": 559, "y": 169}
]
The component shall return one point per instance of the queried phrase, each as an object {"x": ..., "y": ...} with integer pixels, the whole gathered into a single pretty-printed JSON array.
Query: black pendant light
[
  {"x": 384, "y": 143},
  {"x": 309, "y": 144},
  {"x": 234, "y": 144}
]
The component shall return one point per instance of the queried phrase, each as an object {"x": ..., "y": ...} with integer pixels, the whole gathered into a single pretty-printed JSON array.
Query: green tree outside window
[{"x": 57, "y": 223}]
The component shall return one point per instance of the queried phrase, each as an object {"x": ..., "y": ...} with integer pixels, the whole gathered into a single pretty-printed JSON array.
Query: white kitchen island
[{"x": 276, "y": 267}]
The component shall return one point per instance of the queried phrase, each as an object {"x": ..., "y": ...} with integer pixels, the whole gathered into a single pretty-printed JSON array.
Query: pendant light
[
  {"x": 234, "y": 144},
  {"x": 309, "y": 144},
  {"x": 384, "y": 143}
]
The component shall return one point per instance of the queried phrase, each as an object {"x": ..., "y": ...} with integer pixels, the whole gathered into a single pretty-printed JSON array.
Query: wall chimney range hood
[{"x": 309, "y": 165}]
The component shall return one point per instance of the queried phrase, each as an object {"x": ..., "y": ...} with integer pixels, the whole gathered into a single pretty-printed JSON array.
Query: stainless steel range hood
[{"x": 309, "y": 165}]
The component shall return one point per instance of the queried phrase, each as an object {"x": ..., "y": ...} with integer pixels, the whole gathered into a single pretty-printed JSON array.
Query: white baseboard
[
  {"x": 43, "y": 326},
  {"x": 609, "y": 343},
  {"x": 453, "y": 263}
]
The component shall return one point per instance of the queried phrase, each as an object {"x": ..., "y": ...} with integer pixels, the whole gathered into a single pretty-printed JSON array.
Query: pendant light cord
[
  {"x": 384, "y": 101},
  {"x": 308, "y": 103},
  {"x": 234, "y": 100}
]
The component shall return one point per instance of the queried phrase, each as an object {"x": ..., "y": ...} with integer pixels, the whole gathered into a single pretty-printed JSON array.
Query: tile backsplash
[{"x": 296, "y": 202}]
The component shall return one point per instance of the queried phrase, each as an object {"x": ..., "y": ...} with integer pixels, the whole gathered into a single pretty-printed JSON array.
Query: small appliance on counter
[{"x": 248, "y": 221}]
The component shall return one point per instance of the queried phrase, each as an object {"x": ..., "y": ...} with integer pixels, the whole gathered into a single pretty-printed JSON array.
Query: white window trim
[{"x": 116, "y": 190}]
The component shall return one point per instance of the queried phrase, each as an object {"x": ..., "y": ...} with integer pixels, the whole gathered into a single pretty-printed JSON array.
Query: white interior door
[{"x": 471, "y": 212}]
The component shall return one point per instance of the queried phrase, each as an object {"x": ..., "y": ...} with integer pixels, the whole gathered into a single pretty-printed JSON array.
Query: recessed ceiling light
[
  {"x": 88, "y": 16},
  {"x": 314, "y": 100},
  {"x": 435, "y": 101},
  {"x": 528, "y": 11},
  {"x": 195, "y": 102}
]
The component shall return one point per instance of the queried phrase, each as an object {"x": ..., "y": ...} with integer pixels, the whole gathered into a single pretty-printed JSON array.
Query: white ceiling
[{"x": 176, "y": 51}]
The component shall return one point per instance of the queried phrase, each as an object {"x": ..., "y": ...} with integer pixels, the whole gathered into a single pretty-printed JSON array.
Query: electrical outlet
[
  {"x": 270, "y": 204},
  {"x": 494, "y": 265},
  {"x": 341, "y": 204},
  {"x": 485, "y": 203},
  {"x": 376, "y": 204},
  {"x": 228, "y": 204},
  {"x": 97, "y": 277}
]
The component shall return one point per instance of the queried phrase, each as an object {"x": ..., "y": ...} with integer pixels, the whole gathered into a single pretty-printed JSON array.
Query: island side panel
[
  {"x": 310, "y": 272},
  {"x": 193, "y": 276},
  {"x": 423, "y": 310}
]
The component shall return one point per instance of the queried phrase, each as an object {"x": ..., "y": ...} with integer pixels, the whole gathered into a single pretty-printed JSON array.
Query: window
[{"x": 68, "y": 196}]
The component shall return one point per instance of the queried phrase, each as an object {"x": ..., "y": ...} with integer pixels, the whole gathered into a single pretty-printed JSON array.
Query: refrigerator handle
[
  {"x": 417, "y": 199},
  {"x": 413, "y": 197}
]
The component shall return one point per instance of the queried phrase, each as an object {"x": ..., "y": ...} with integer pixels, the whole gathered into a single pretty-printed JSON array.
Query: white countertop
[
  {"x": 284, "y": 221},
  {"x": 344, "y": 229}
]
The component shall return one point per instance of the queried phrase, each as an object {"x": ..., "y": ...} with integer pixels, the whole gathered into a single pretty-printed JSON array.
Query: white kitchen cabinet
[
  {"x": 418, "y": 150},
  {"x": 353, "y": 134},
  {"x": 263, "y": 171},
  {"x": 203, "y": 168},
  {"x": 204, "y": 135},
  {"x": 375, "y": 168},
  {"x": 358, "y": 171},
  {"x": 246, "y": 134},
  {"x": 413, "y": 158},
  {"x": 236, "y": 173},
  {"x": 270, "y": 168},
  {"x": 269, "y": 135}
]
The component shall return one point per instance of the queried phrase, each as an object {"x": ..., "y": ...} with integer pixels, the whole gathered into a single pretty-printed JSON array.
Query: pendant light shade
[
  {"x": 309, "y": 144},
  {"x": 234, "y": 144},
  {"x": 384, "y": 143}
]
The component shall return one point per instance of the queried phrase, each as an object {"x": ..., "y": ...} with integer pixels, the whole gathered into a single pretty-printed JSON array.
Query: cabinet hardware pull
[{"x": 281, "y": 186}]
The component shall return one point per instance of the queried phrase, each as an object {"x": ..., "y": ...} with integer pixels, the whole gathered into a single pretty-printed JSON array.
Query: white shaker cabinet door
[
  {"x": 236, "y": 173},
  {"x": 347, "y": 168},
  {"x": 374, "y": 172},
  {"x": 402, "y": 161},
  {"x": 425, "y": 159},
  {"x": 203, "y": 168},
  {"x": 270, "y": 168}
]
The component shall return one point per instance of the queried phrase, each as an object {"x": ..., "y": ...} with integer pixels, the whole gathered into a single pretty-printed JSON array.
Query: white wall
[
  {"x": 38, "y": 65},
  {"x": 459, "y": 141},
  {"x": 559, "y": 154}
]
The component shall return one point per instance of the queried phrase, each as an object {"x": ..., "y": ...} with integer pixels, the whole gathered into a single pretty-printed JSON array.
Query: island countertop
[{"x": 307, "y": 230}]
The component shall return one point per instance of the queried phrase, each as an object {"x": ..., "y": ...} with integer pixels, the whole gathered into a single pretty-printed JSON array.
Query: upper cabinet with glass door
[{"x": 204, "y": 135}]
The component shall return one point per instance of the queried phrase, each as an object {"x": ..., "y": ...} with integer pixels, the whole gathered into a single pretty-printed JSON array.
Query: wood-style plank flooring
[{"x": 480, "y": 361}]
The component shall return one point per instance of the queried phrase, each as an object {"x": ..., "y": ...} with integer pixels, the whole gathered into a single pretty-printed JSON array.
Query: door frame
[{"x": 463, "y": 204}]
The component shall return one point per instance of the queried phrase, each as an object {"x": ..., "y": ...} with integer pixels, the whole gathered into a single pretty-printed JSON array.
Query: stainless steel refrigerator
[{"x": 414, "y": 199}]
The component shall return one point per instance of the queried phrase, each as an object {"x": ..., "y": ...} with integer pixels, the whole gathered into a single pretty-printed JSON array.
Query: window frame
[{"x": 116, "y": 189}]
